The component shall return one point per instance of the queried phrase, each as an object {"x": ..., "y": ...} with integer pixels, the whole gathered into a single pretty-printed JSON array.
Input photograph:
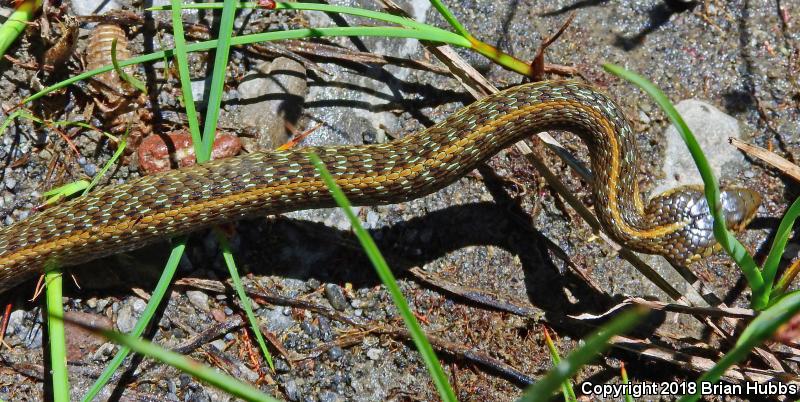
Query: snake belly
[{"x": 124, "y": 217}]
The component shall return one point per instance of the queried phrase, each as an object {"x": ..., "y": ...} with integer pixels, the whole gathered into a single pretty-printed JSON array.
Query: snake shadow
[{"x": 302, "y": 250}]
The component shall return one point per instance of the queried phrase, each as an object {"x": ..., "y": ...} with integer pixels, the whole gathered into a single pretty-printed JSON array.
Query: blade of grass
[
  {"x": 566, "y": 386},
  {"x": 185, "y": 78},
  {"x": 196, "y": 369},
  {"x": 786, "y": 279},
  {"x": 779, "y": 244},
  {"x": 121, "y": 72},
  {"x": 761, "y": 329},
  {"x": 217, "y": 80},
  {"x": 594, "y": 345},
  {"x": 326, "y": 8},
  {"x": 450, "y": 18},
  {"x": 434, "y": 35},
  {"x": 245, "y": 300},
  {"x": 54, "y": 195},
  {"x": 625, "y": 380},
  {"x": 149, "y": 311},
  {"x": 55, "y": 333},
  {"x": 16, "y": 23},
  {"x": 729, "y": 243},
  {"x": 374, "y": 255},
  {"x": 504, "y": 59},
  {"x": 120, "y": 149}
]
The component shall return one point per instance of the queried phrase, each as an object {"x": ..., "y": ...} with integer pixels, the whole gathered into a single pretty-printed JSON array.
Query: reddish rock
[{"x": 159, "y": 153}]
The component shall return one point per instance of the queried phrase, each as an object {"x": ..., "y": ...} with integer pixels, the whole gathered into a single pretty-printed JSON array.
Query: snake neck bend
[{"x": 128, "y": 216}]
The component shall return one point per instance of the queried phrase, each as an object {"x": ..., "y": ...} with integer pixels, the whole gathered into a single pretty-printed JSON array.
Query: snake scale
[{"x": 114, "y": 219}]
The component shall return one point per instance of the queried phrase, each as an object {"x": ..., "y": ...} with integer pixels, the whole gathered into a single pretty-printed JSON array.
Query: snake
[{"x": 113, "y": 219}]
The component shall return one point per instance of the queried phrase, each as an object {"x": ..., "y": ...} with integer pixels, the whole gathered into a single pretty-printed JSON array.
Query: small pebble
[
  {"x": 219, "y": 344},
  {"x": 308, "y": 328},
  {"x": 374, "y": 353},
  {"x": 11, "y": 183},
  {"x": 335, "y": 353},
  {"x": 324, "y": 329},
  {"x": 329, "y": 396},
  {"x": 335, "y": 296},
  {"x": 198, "y": 299},
  {"x": 281, "y": 366},
  {"x": 90, "y": 169},
  {"x": 291, "y": 390}
]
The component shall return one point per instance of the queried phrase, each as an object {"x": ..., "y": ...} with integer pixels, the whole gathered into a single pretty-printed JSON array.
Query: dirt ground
[{"x": 500, "y": 234}]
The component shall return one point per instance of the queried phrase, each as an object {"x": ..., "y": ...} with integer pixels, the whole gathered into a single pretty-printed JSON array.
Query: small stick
[{"x": 770, "y": 157}]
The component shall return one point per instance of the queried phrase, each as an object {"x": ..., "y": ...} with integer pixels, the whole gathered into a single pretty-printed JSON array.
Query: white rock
[{"x": 712, "y": 128}]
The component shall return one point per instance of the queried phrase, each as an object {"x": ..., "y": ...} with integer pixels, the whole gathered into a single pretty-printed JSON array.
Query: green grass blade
[
  {"x": 625, "y": 380},
  {"x": 595, "y": 344},
  {"x": 209, "y": 375},
  {"x": 450, "y": 18},
  {"x": 16, "y": 23},
  {"x": 485, "y": 49},
  {"x": 185, "y": 78},
  {"x": 779, "y": 244},
  {"x": 326, "y": 8},
  {"x": 729, "y": 243},
  {"x": 761, "y": 329},
  {"x": 120, "y": 149},
  {"x": 55, "y": 333},
  {"x": 566, "y": 387},
  {"x": 437, "y": 35},
  {"x": 54, "y": 195},
  {"x": 245, "y": 300},
  {"x": 217, "y": 79},
  {"x": 121, "y": 72},
  {"x": 374, "y": 255},
  {"x": 149, "y": 311},
  {"x": 10, "y": 119}
]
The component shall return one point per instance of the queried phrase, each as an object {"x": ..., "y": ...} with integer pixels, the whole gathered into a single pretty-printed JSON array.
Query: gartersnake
[{"x": 118, "y": 218}]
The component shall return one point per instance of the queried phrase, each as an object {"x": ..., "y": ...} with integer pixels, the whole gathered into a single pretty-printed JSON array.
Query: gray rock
[
  {"x": 93, "y": 7},
  {"x": 335, "y": 353},
  {"x": 198, "y": 299},
  {"x": 374, "y": 353},
  {"x": 271, "y": 96},
  {"x": 90, "y": 169},
  {"x": 219, "y": 344},
  {"x": 712, "y": 128},
  {"x": 291, "y": 390},
  {"x": 309, "y": 328},
  {"x": 15, "y": 321},
  {"x": 276, "y": 320},
  {"x": 335, "y": 296},
  {"x": 281, "y": 366},
  {"x": 104, "y": 352},
  {"x": 128, "y": 314},
  {"x": 324, "y": 329},
  {"x": 329, "y": 396}
]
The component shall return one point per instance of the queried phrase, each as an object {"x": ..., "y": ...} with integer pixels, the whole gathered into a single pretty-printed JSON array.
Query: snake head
[{"x": 687, "y": 206}]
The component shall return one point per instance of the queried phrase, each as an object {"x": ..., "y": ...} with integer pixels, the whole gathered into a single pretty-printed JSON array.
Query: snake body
[{"x": 118, "y": 218}]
